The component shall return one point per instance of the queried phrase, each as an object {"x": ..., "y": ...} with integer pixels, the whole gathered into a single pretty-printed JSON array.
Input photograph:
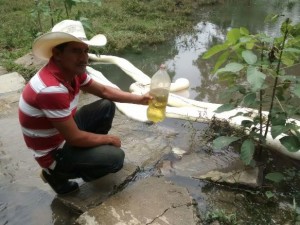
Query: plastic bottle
[{"x": 159, "y": 90}]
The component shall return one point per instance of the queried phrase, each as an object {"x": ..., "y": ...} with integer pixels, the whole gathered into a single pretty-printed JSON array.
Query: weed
[{"x": 221, "y": 216}]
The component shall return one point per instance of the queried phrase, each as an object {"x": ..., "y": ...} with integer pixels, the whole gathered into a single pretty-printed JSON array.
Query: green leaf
[
  {"x": 233, "y": 35},
  {"x": 86, "y": 23},
  {"x": 271, "y": 17},
  {"x": 291, "y": 143},
  {"x": 247, "y": 151},
  {"x": 278, "y": 118},
  {"x": 269, "y": 194},
  {"x": 231, "y": 67},
  {"x": 292, "y": 78},
  {"x": 294, "y": 50},
  {"x": 223, "y": 141},
  {"x": 223, "y": 58},
  {"x": 275, "y": 177},
  {"x": 277, "y": 130},
  {"x": 249, "y": 99},
  {"x": 247, "y": 123},
  {"x": 296, "y": 90},
  {"x": 287, "y": 60},
  {"x": 250, "y": 45},
  {"x": 249, "y": 57},
  {"x": 214, "y": 50},
  {"x": 244, "y": 31},
  {"x": 245, "y": 39},
  {"x": 70, "y": 3},
  {"x": 224, "y": 108},
  {"x": 255, "y": 78}
]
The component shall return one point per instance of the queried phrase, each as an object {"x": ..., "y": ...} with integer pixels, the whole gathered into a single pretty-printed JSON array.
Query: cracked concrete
[{"x": 149, "y": 201}]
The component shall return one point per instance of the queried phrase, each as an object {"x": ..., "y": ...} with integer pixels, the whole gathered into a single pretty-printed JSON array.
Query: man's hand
[
  {"x": 113, "y": 140},
  {"x": 115, "y": 94},
  {"x": 145, "y": 99},
  {"x": 79, "y": 138}
]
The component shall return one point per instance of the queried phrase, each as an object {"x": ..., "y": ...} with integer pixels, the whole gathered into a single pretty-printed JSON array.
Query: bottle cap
[{"x": 162, "y": 66}]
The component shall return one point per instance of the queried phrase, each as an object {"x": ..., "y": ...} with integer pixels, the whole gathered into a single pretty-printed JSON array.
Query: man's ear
[{"x": 56, "y": 53}]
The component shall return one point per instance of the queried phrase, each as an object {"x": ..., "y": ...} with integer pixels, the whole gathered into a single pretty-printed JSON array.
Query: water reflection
[{"x": 183, "y": 56}]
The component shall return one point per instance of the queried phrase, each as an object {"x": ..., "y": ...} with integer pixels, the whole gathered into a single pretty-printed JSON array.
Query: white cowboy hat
[{"x": 65, "y": 31}]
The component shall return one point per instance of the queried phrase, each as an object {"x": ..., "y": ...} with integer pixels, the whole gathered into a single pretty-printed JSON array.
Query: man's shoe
[{"x": 59, "y": 185}]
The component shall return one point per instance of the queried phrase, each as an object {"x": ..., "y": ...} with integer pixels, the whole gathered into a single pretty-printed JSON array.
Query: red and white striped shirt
[{"x": 45, "y": 98}]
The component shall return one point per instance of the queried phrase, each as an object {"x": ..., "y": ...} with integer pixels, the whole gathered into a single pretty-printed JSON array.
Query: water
[
  {"x": 22, "y": 203},
  {"x": 183, "y": 55}
]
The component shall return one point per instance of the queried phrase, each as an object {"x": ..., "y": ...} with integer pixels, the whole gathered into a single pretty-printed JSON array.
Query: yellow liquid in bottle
[{"x": 156, "y": 111}]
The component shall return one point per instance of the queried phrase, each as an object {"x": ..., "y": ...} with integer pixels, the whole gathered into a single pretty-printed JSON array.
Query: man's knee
[
  {"x": 107, "y": 105},
  {"x": 118, "y": 160}
]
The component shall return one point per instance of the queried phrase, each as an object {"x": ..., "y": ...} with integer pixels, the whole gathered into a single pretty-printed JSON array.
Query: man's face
[{"x": 73, "y": 59}]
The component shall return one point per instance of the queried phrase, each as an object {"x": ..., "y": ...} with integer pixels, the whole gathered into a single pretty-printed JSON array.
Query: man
[{"x": 68, "y": 143}]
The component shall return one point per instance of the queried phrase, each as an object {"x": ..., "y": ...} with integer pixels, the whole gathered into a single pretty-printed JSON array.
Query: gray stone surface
[
  {"x": 143, "y": 144},
  {"x": 30, "y": 61},
  {"x": 149, "y": 201},
  {"x": 11, "y": 82},
  {"x": 248, "y": 176},
  {"x": 94, "y": 193}
]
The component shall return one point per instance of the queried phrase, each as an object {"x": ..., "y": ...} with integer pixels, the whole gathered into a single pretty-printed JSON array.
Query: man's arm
[
  {"x": 80, "y": 138},
  {"x": 115, "y": 94}
]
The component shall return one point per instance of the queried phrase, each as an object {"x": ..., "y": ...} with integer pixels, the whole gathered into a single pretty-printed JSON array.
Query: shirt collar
[{"x": 54, "y": 69}]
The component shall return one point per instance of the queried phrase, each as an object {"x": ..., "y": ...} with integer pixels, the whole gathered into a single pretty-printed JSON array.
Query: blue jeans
[{"x": 95, "y": 162}]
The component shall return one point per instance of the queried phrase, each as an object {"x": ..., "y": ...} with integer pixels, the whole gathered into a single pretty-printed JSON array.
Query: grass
[{"x": 128, "y": 24}]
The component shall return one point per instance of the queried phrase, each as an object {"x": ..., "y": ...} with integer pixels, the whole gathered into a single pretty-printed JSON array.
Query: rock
[
  {"x": 141, "y": 203},
  {"x": 165, "y": 168},
  {"x": 245, "y": 176},
  {"x": 11, "y": 82},
  {"x": 195, "y": 164},
  {"x": 29, "y": 60}
]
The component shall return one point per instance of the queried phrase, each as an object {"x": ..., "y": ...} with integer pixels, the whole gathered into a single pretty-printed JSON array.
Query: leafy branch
[
  {"x": 44, "y": 9},
  {"x": 256, "y": 79}
]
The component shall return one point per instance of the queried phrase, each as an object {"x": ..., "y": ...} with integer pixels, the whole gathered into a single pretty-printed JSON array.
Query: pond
[{"x": 182, "y": 57}]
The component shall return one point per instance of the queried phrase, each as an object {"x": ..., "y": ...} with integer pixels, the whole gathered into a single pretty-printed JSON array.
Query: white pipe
[
  {"x": 135, "y": 73},
  {"x": 181, "y": 107}
]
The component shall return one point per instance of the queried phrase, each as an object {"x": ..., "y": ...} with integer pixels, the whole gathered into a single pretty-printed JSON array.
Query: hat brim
[{"x": 43, "y": 45}]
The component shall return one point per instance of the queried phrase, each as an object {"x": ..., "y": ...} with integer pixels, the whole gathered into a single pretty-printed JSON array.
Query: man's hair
[{"x": 62, "y": 46}]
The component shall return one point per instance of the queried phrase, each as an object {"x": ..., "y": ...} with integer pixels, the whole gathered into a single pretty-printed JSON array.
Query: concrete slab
[
  {"x": 94, "y": 193},
  {"x": 200, "y": 163},
  {"x": 226, "y": 167},
  {"x": 8, "y": 101},
  {"x": 11, "y": 82},
  {"x": 29, "y": 60},
  {"x": 149, "y": 201},
  {"x": 143, "y": 144},
  {"x": 249, "y": 176}
]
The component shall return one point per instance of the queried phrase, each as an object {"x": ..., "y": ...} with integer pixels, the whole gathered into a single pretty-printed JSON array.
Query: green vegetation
[
  {"x": 128, "y": 24},
  {"x": 221, "y": 216},
  {"x": 256, "y": 73},
  {"x": 256, "y": 70}
]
